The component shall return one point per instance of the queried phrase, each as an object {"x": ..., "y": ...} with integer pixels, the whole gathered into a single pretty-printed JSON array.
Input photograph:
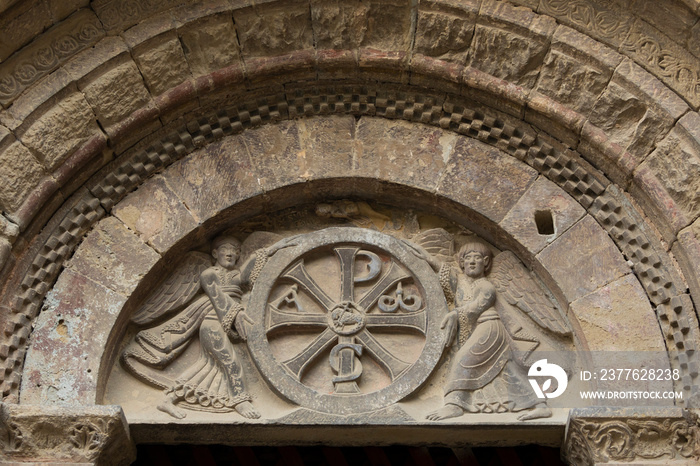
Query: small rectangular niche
[{"x": 544, "y": 222}]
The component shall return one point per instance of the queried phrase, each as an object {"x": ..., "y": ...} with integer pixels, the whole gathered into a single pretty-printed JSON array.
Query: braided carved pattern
[
  {"x": 40, "y": 277},
  {"x": 562, "y": 167}
]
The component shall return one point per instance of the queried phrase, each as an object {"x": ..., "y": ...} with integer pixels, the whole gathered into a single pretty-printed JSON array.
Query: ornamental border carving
[{"x": 564, "y": 167}]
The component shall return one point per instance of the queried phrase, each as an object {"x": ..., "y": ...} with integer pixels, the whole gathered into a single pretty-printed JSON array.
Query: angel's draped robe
[
  {"x": 214, "y": 382},
  {"x": 473, "y": 382}
]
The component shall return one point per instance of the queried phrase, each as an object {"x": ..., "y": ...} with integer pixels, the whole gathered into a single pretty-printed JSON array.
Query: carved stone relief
[{"x": 347, "y": 309}]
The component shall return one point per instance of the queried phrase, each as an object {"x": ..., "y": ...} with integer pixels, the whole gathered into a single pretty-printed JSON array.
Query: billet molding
[{"x": 559, "y": 164}]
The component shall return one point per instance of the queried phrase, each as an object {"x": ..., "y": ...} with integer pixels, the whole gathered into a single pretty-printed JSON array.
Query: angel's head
[
  {"x": 225, "y": 250},
  {"x": 475, "y": 259}
]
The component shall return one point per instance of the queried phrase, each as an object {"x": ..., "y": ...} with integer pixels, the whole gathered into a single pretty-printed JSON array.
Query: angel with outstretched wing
[
  {"x": 215, "y": 381},
  {"x": 488, "y": 373}
]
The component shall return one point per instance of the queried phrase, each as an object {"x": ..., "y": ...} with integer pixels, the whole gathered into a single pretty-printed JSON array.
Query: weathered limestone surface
[
  {"x": 113, "y": 256},
  {"x": 618, "y": 317},
  {"x": 542, "y": 196},
  {"x": 214, "y": 177},
  {"x": 510, "y": 43},
  {"x": 210, "y": 44},
  {"x": 157, "y": 214},
  {"x": 576, "y": 70},
  {"x": 271, "y": 29},
  {"x": 74, "y": 326},
  {"x": 61, "y": 130},
  {"x": 20, "y": 175},
  {"x": 485, "y": 179},
  {"x": 276, "y": 154},
  {"x": 445, "y": 29},
  {"x": 676, "y": 165},
  {"x": 62, "y": 435},
  {"x": 591, "y": 430},
  {"x": 328, "y": 144},
  {"x": 398, "y": 151},
  {"x": 117, "y": 93},
  {"x": 339, "y": 25},
  {"x": 162, "y": 63},
  {"x": 585, "y": 250},
  {"x": 634, "y": 111}
]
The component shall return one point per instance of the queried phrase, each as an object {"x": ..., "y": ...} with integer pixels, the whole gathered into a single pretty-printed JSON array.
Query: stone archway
[{"x": 612, "y": 148}]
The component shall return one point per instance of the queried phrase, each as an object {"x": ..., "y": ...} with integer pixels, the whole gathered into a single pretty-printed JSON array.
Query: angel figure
[
  {"x": 215, "y": 382},
  {"x": 488, "y": 373}
]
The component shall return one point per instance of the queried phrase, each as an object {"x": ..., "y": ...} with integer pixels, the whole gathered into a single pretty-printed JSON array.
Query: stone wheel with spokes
[{"x": 346, "y": 321}]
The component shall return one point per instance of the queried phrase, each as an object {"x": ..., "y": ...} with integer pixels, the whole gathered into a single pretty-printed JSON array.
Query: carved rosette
[
  {"x": 595, "y": 439},
  {"x": 347, "y": 321}
]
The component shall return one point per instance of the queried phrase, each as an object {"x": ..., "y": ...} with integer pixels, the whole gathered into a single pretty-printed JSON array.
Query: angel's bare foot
[
  {"x": 445, "y": 412},
  {"x": 167, "y": 406},
  {"x": 247, "y": 410},
  {"x": 540, "y": 411}
]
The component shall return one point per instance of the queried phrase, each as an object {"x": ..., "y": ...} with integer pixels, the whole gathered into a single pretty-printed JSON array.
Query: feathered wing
[
  {"x": 175, "y": 291},
  {"x": 438, "y": 242},
  {"x": 517, "y": 287}
]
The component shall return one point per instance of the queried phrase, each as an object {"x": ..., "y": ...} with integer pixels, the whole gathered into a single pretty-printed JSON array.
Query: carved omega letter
[{"x": 346, "y": 321}]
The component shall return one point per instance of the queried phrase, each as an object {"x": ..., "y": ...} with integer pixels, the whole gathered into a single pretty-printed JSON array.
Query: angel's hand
[
  {"x": 242, "y": 323},
  {"x": 450, "y": 326},
  {"x": 284, "y": 243},
  {"x": 422, "y": 254}
]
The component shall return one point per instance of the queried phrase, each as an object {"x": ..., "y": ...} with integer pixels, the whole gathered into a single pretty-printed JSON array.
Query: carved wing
[
  {"x": 175, "y": 291},
  {"x": 515, "y": 284},
  {"x": 438, "y": 242}
]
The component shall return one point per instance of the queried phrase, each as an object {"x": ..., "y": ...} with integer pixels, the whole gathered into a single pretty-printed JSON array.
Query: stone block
[
  {"x": 403, "y": 152},
  {"x": 210, "y": 44},
  {"x": 505, "y": 55},
  {"x": 686, "y": 250},
  {"x": 162, "y": 63},
  {"x": 665, "y": 59},
  {"x": 214, "y": 178},
  {"x": 20, "y": 24},
  {"x": 510, "y": 42},
  {"x": 156, "y": 214},
  {"x": 272, "y": 29},
  {"x": 73, "y": 326},
  {"x": 328, "y": 145},
  {"x": 19, "y": 176},
  {"x": 529, "y": 220},
  {"x": 116, "y": 93},
  {"x": 118, "y": 17},
  {"x": 485, "y": 179},
  {"x": 51, "y": 50},
  {"x": 93, "y": 434},
  {"x": 583, "y": 259},
  {"x": 694, "y": 40},
  {"x": 676, "y": 164},
  {"x": 649, "y": 191},
  {"x": 61, "y": 130},
  {"x": 113, "y": 256},
  {"x": 628, "y": 115},
  {"x": 276, "y": 154},
  {"x": 607, "y": 155},
  {"x": 61, "y": 10},
  {"x": 444, "y": 30},
  {"x": 674, "y": 18},
  {"x": 602, "y": 20},
  {"x": 388, "y": 26},
  {"x": 339, "y": 24},
  {"x": 576, "y": 70},
  {"x": 619, "y": 317}
]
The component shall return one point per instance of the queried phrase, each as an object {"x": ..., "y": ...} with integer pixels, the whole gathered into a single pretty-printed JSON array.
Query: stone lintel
[
  {"x": 77, "y": 435},
  {"x": 632, "y": 436}
]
